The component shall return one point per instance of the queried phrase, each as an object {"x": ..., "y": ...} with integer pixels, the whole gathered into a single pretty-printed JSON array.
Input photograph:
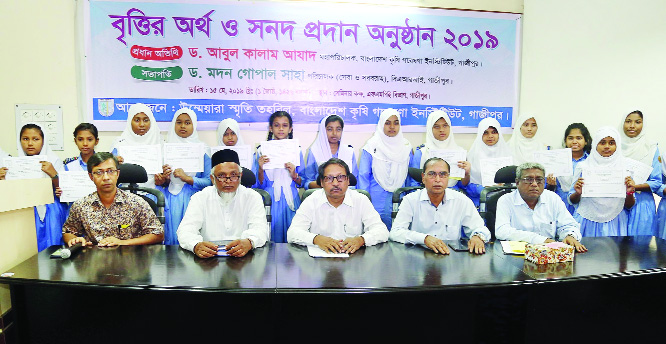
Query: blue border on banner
[{"x": 248, "y": 111}]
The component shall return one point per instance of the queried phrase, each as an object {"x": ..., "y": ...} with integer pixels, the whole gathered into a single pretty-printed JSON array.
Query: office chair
[
  {"x": 132, "y": 175},
  {"x": 491, "y": 194}
]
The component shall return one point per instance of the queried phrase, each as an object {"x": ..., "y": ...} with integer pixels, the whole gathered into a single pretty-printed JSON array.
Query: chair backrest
[
  {"x": 415, "y": 173},
  {"x": 490, "y": 213},
  {"x": 397, "y": 198},
  {"x": 248, "y": 178},
  {"x": 132, "y": 174},
  {"x": 266, "y": 197},
  {"x": 506, "y": 175}
]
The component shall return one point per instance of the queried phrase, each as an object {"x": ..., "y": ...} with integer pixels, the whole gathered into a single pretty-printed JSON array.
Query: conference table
[{"x": 389, "y": 291}]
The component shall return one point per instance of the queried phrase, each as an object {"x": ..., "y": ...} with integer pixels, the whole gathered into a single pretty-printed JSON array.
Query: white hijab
[
  {"x": 228, "y": 123},
  {"x": 321, "y": 150},
  {"x": 390, "y": 155},
  {"x": 176, "y": 184},
  {"x": 432, "y": 143},
  {"x": 129, "y": 138},
  {"x": 50, "y": 156},
  {"x": 639, "y": 147},
  {"x": 480, "y": 151},
  {"x": 601, "y": 209},
  {"x": 521, "y": 146}
]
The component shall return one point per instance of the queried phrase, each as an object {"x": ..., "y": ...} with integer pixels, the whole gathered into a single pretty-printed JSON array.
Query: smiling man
[
  {"x": 110, "y": 216},
  {"x": 226, "y": 211},
  {"x": 337, "y": 219},
  {"x": 533, "y": 214},
  {"x": 435, "y": 213}
]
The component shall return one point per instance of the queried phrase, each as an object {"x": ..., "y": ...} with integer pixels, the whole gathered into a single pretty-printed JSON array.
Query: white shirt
[
  {"x": 208, "y": 219},
  {"x": 354, "y": 217},
  {"x": 417, "y": 218},
  {"x": 549, "y": 219}
]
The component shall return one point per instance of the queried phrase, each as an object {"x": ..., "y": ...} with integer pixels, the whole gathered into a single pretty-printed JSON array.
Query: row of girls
[{"x": 381, "y": 169}]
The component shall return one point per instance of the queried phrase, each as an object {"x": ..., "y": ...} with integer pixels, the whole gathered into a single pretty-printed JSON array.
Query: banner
[{"x": 246, "y": 60}]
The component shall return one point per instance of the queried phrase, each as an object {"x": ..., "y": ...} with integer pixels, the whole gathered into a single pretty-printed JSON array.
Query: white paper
[
  {"x": 316, "y": 252},
  {"x": 244, "y": 154},
  {"x": 452, "y": 156},
  {"x": 24, "y": 167},
  {"x": 559, "y": 162},
  {"x": 188, "y": 156},
  {"x": 75, "y": 185},
  {"x": 603, "y": 182},
  {"x": 637, "y": 170},
  {"x": 490, "y": 166},
  {"x": 281, "y": 152},
  {"x": 148, "y": 156}
]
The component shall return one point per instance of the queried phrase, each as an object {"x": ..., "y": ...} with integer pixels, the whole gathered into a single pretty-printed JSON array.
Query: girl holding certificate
[
  {"x": 488, "y": 144},
  {"x": 3, "y": 169},
  {"x": 327, "y": 145},
  {"x": 228, "y": 133},
  {"x": 602, "y": 216},
  {"x": 86, "y": 139},
  {"x": 661, "y": 210},
  {"x": 176, "y": 185},
  {"x": 280, "y": 183},
  {"x": 49, "y": 218},
  {"x": 578, "y": 138},
  {"x": 438, "y": 136},
  {"x": 642, "y": 217},
  {"x": 524, "y": 142},
  {"x": 384, "y": 163},
  {"x": 141, "y": 129}
]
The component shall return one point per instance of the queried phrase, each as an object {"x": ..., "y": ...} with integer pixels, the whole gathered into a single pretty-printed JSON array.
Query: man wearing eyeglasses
[
  {"x": 335, "y": 218},
  {"x": 535, "y": 215},
  {"x": 225, "y": 211},
  {"x": 434, "y": 214},
  {"x": 110, "y": 216}
]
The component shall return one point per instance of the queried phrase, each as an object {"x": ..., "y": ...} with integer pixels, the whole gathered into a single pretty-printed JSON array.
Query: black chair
[
  {"x": 247, "y": 180},
  {"x": 491, "y": 194},
  {"x": 352, "y": 182},
  {"x": 131, "y": 175},
  {"x": 398, "y": 194}
]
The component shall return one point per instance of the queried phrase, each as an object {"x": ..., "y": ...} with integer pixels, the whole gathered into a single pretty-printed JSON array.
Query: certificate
[
  {"x": 637, "y": 170},
  {"x": 25, "y": 167},
  {"x": 604, "y": 182},
  {"x": 559, "y": 162},
  {"x": 244, "y": 154},
  {"x": 489, "y": 168},
  {"x": 148, "y": 156},
  {"x": 75, "y": 185},
  {"x": 281, "y": 152},
  {"x": 188, "y": 156},
  {"x": 452, "y": 156}
]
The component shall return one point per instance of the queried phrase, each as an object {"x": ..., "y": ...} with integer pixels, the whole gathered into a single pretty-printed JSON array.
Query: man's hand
[
  {"x": 239, "y": 247},
  {"x": 351, "y": 245},
  {"x": 328, "y": 244},
  {"x": 82, "y": 240},
  {"x": 476, "y": 245},
  {"x": 205, "y": 249},
  {"x": 111, "y": 241},
  {"x": 569, "y": 240},
  {"x": 436, "y": 245}
]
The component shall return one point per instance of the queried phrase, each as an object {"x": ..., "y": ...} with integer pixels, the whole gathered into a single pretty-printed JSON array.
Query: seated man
[
  {"x": 533, "y": 214},
  {"x": 224, "y": 211},
  {"x": 110, "y": 216},
  {"x": 435, "y": 213},
  {"x": 335, "y": 218}
]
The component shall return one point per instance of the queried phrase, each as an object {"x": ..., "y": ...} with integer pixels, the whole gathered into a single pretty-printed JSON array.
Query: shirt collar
[
  {"x": 518, "y": 200},
  {"x": 120, "y": 197},
  {"x": 323, "y": 199},
  {"x": 424, "y": 196}
]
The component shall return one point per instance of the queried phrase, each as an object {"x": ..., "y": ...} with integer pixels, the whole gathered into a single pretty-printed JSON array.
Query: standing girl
[
  {"x": 86, "y": 139},
  {"x": 228, "y": 133},
  {"x": 327, "y": 145},
  {"x": 176, "y": 185},
  {"x": 384, "y": 163},
  {"x": 280, "y": 183},
  {"x": 578, "y": 138},
  {"x": 524, "y": 142},
  {"x": 602, "y": 216},
  {"x": 642, "y": 217},
  {"x": 489, "y": 143}
]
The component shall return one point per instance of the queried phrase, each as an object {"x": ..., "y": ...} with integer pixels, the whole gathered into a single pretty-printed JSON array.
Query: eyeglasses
[
  {"x": 340, "y": 178},
  {"x": 100, "y": 173},
  {"x": 232, "y": 177},
  {"x": 433, "y": 174},
  {"x": 530, "y": 180}
]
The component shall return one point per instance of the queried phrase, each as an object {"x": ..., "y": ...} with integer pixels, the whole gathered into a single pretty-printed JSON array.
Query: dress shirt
[
  {"x": 128, "y": 217},
  {"x": 355, "y": 216},
  {"x": 417, "y": 218},
  {"x": 549, "y": 219},
  {"x": 207, "y": 218}
]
